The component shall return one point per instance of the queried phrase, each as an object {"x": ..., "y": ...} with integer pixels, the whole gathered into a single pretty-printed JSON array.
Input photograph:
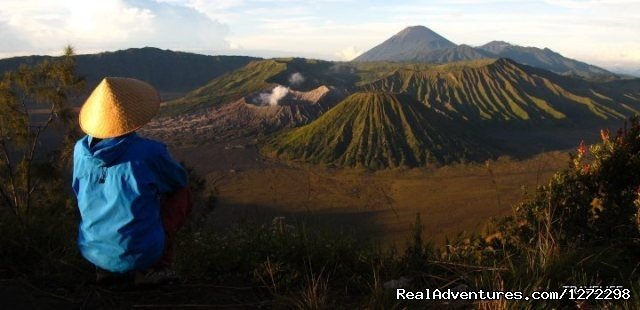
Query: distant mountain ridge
[
  {"x": 506, "y": 91},
  {"x": 485, "y": 90},
  {"x": 411, "y": 45},
  {"x": 168, "y": 71},
  {"x": 398, "y": 114},
  {"x": 544, "y": 59}
]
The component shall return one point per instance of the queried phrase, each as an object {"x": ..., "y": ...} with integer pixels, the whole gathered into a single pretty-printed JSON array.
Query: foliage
[
  {"x": 33, "y": 100},
  {"x": 45, "y": 252},
  {"x": 594, "y": 202},
  {"x": 581, "y": 228}
]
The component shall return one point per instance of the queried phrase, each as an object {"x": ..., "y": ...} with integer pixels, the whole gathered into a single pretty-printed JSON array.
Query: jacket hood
[{"x": 107, "y": 151}]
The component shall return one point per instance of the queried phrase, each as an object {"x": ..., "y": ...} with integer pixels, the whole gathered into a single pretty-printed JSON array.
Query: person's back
[
  {"x": 118, "y": 183},
  {"x": 120, "y": 178}
]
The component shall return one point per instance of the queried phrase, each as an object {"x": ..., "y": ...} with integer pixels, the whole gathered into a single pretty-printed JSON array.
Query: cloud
[
  {"x": 11, "y": 40},
  {"x": 45, "y": 27},
  {"x": 234, "y": 46},
  {"x": 589, "y": 4},
  {"x": 348, "y": 53},
  {"x": 590, "y": 31},
  {"x": 308, "y": 38},
  {"x": 181, "y": 27},
  {"x": 596, "y": 31}
]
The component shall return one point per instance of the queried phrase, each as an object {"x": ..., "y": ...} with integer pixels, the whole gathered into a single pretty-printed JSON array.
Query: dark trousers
[{"x": 175, "y": 210}]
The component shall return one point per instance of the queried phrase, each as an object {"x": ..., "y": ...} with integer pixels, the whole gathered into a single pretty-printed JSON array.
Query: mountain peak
[
  {"x": 409, "y": 41},
  {"x": 495, "y": 47},
  {"x": 418, "y": 31},
  {"x": 416, "y": 27},
  {"x": 498, "y": 43},
  {"x": 422, "y": 35}
]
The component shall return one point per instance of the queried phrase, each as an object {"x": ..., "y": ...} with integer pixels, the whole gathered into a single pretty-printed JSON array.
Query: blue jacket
[{"x": 118, "y": 183}]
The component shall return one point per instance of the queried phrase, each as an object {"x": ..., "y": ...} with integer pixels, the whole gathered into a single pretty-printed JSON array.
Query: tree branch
[
  {"x": 23, "y": 101},
  {"x": 31, "y": 155},
  {"x": 12, "y": 179},
  {"x": 7, "y": 200}
]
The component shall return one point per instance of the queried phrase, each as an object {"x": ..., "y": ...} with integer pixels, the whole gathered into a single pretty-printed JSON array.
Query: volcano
[
  {"x": 247, "y": 116},
  {"x": 376, "y": 130},
  {"x": 406, "y": 45}
]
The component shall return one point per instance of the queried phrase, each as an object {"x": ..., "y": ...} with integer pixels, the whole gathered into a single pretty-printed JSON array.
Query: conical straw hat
[{"x": 118, "y": 106}]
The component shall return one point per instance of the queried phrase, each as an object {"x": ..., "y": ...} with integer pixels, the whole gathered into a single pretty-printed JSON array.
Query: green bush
[
  {"x": 43, "y": 253},
  {"x": 581, "y": 228},
  {"x": 282, "y": 258}
]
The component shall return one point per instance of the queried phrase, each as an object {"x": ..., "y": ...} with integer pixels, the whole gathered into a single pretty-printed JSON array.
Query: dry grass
[{"x": 452, "y": 199}]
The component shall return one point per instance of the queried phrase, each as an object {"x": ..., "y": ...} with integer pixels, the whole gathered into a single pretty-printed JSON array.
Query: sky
[{"x": 604, "y": 33}]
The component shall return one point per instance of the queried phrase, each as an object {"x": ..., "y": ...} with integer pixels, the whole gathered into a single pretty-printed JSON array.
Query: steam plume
[
  {"x": 296, "y": 79},
  {"x": 275, "y": 96},
  {"x": 279, "y": 92}
]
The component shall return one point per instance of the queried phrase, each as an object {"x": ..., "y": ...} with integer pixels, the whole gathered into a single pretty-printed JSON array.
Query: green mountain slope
[
  {"x": 403, "y": 114},
  {"x": 166, "y": 70},
  {"x": 259, "y": 76},
  {"x": 227, "y": 88},
  {"x": 505, "y": 91},
  {"x": 376, "y": 130}
]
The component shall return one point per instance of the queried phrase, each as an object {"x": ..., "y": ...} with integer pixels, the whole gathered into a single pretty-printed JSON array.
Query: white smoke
[
  {"x": 296, "y": 79},
  {"x": 279, "y": 92},
  {"x": 274, "y": 96}
]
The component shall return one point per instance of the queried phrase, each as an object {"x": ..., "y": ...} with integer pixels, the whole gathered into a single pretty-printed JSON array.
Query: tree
[{"x": 34, "y": 100}]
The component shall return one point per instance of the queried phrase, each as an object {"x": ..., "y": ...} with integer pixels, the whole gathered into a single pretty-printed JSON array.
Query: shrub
[
  {"x": 28, "y": 175},
  {"x": 582, "y": 227}
]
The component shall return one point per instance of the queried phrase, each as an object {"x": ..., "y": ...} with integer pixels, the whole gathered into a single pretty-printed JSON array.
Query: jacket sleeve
[
  {"x": 171, "y": 176},
  {"x": 75, "y": 183}
]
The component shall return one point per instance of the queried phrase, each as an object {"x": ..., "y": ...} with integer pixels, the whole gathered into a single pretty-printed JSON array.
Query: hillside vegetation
[
  {"x": 421, "y": 115},
  {"x": 261, "y": 75},
  {"x": 463, "y": 111},
  {"x": 503, "y": 90},
  {"x": 229, "y": 87},
  {"x": 376, "y": 130},
  {"x": 479, "y": 90}
]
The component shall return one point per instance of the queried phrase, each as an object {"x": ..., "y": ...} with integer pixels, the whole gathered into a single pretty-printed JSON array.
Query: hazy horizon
[{"x": 602, "y": 33}]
